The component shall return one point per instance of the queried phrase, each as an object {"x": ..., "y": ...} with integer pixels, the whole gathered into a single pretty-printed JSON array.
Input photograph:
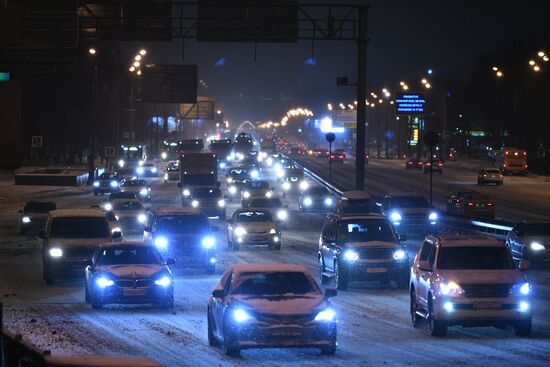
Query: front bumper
[
  {"x": 258, "y": 335},
  {"x": 129, "y": 295},
  {"x": 375, "y": 270},
  {"x": 187, "y": 257},
  {"x": 482, "y": 311},
  {"x": 258, "y": 239},
  {"x": 106, "y": 189}
]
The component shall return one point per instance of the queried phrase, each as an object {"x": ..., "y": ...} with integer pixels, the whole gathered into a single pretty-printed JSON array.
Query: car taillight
[
  {"x": 484, "y": 175},
  {"x": 409, "y": 163},
  {"x": 489, "y": 204},
  {"x": 331, "y": 156},
  {"x": 428, "y": 164},
  {"x": 470, "y": 204},
  {"x": 524, "y": 153},
  {"x": 525, "y": 166},
  {"x": 501, "y": 176},
  {"x": 340, "y": 156},
  {"x": 440, "y": 164},
  {"x": 504, "y": 165},
  {"x": 420, "y": 163}
]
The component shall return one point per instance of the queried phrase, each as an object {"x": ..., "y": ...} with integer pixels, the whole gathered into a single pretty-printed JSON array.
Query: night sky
[{"x": 407, "y": 38}]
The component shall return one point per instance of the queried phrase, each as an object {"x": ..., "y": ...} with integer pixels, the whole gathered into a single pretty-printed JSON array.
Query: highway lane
[
  {"x": 519, "y": 198},
  {"x": 374, "y": 326}
]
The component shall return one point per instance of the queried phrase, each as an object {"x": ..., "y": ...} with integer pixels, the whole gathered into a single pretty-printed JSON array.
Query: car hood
[
  {"x": 482, "y": 276},
  {"x": 373, "y": 244},
  {"x": 128, "y": 213},
  {"x": 282, "y": 306},
  {"x": 258, "y": 226},
  {"x": 543, "y": 240},
  {"x": 132, "y": 271},
  {"x": 133, "y": 188},
  {"x": 414, "y": 210},
  {"x": 77, "y": 242}
]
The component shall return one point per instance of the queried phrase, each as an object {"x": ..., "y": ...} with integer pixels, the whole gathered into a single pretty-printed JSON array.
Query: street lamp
[
  {"x": 92, "y": 51},
  {"x": 143, "y": 52},
  {"x": 131, "y": 69},
  {"x": 136, "y": 64},
  {"x": 138, "y": 72},
  {"x": 137, "y": 57}
]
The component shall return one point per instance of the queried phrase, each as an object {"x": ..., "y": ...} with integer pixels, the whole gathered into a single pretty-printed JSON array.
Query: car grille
[
  {"x": 134, "y": 283},
  {"x": 285, "y": 319},
  {"x": 376, "y": 253},
  {"x": 418, "y": 218},
  {"x": 486, "y": 290}
]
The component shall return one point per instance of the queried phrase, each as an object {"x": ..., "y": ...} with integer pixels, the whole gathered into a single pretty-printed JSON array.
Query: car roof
[
  {"x": 87, "y": 212},
  {"x": 358, "y": 216},
  {"x": 175, "y": 210},
  {"x": 259, "y": 268},
  {"x": 355, "y": 195},
  {"x": 467, "y": 241}
]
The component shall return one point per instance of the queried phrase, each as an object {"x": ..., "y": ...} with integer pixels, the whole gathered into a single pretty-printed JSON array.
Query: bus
[{"x": 512, "y": 161}]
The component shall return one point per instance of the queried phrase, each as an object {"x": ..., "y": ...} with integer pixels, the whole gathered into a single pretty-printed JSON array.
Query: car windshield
[
  {"x": 492, "y": 171},
  {"x": 365, "y": 230},
  {"x": 128, "y": 205},
  {"x": 79, "y": 227},
  {"x": 129, "y": 255},
  {"x": 254, "y": 216},
  {"x": 37, "y": 207},
  {"x": 122, "y": 195},
  {"x": 172, "y": 168},
  {"x": 182, "y": 224},
  {"x": 111, "y": 217},
  {"x": 318, "y": 191},
  {"x": 266, "y": 203},
  {"x": 258, "y": 185},
  {"x": 135, "y": 183},
  {"x": 537, "y": 229},
  {"x": 238, "y": 171},
  {"x": 410, "y": 202},
  {"x": 470, "y": 257},
  {"x": 294, "y": 172},
  {"x": 205, "y": 193},
  {"x": 359, "y": 208},
  {"x": 275, "y": 284},
  {"x": 107, "y": 175}
]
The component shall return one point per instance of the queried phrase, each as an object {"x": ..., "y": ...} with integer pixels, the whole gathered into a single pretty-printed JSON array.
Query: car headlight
[
  {"x": 143, "y": 192},
  {"x": 240, "y": 231},
  {"x": 140, "y": 163},
  {"x": 161, "y": 242},
  {"x": 114, "y": 183},
  {"x": 96, "y": 184},
  {"x": 142, "y": 218},
  {"x": 272, "y": 231},
  {"x": 269, "y": 161},
  {"x": 328, "y": 201},
  {"x": 26, "y": 219},
  {"x": 286, "y": 186},
  {"x": 523, "y": 289},
  {"x": 308, "y": 201},
  {"x": 304, "y": 185},
  {"x": 186, "y": 192},
  {"x": 395, "y": 217},
  {"x": 121, "y": 163},
  {"x": 351, "y": 255},
  {"x": 232, "y": 189},
  {"x": 154, "y": 170},
  {"x": 536, "y": 246},
  {"x": 433, "y": 216},
  {"x": 139, "y": 170},
  {"x": 103, "y": 282},
  {"x": 166, "y": 176},
  {"x": 163, "y": 155},
  {"x": 268, "y": 194},
  {"x": 208, "y": 242},
  {"x": 326, "y": 315},
  {"x": 222, "y": 165},
  {"x": 399, "y": 255},
  {"x": 246, "y": 194},
  {"x": 108, "y": 206},
  {"x": 116, "y": 229},
  {"x": 280, "y": 173},
  {"x": 240, "y": 315},
  {"x": 195, "y": 203},
  {"x": 450, "y": 289},
  {"x": 229, "y": 179},
  {"x": 282, "y": 214},
  {"x": 165, "y": 281},
  {"x": 221, "y": 203},
  {"x": 254, "y": 174},
  {"x": 56, "y": 252}
]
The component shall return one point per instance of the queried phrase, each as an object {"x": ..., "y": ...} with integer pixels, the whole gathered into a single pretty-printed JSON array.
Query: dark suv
[
  {"x": 410, "y": 212},
  {"x": 35, "y": 214},
  {"x": 354, "y": 248}
]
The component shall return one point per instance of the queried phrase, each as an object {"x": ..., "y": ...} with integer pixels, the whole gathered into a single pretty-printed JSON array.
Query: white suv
[{"x": 469, "y": 281}]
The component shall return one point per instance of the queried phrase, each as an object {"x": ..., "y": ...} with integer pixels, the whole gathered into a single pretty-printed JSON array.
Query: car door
[
  {"x": 328, "y": 243},
  {"x": 516, "y": 240},
  {"x": 219, "y": 305},
  {"x": 422, "y": 276},
  {"x": 230, "y": 226}
]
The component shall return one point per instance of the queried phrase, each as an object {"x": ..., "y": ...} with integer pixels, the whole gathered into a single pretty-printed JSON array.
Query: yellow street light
[
  {"x": 531, "y": 62},
  {"x": 329, "y": 106},
  {"x": 137, "y": 57},
  {"x": 351, "y": 106},
  {"x": 380, "y": 100},
  {"x": 92, "y": 51},
  {"x": 385, "y": 90},
  {"x": 541, "y": 53},
  {"x": 143, "y": 52},
  {"x": 136, "y": 64},
  {"x": 138, "y": 72},
  {"x": 536, "y": 68},
  {"x": 424, "y": 81},
  {"x": 500, "y": 74},
  {"x": 401, "y": 83},
  {"x": 355, "y": 103},
  {"x": 545, "y": 58},
  {"x": 495, "y": 68},
  {"x": 406, "y": 87},
  {"x": 132, "y": 69},
  {"x": 427, "y": 85},
  {"x": 392, "y": 102}
]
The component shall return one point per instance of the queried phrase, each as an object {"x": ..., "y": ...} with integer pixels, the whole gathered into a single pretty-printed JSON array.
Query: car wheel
[
  {"x": 416, "y": 319},
  {"x": 523, "y": 328},
  {"x": 167, "y": 304},
  {"x": 96, "y": 302},
  {"x": 211, "y": 337},
  {"x": 436, "y": 327},
  {"x": 329, "y": 351},
  {"x": 340, "y": 278},
  {"x": 228, "y": 348},
  {"x": 324, "y": 279}
]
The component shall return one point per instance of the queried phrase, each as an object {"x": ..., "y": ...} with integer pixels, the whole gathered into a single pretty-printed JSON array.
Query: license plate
[
  {"x": 377, "y": 270},
  {"x": 134, "y": 292},
  {"x": 487, "y": 305}
]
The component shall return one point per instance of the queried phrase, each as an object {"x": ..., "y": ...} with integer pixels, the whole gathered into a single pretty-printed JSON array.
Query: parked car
[
  {"x": 490, "y": 176},
  {"x": 358, "y": 248},
  {"x": 34, "y": 215},
  {"x": 470, "y": 203},
  {"x": 270, "y": 305},
  {"x": 469, "y": 281},
  {"x": 530, "y": 240},
  {"x": 128, "y": 272}
]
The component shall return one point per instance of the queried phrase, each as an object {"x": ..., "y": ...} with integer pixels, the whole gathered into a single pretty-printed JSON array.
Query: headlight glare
[
  {"x": 399, "y": 255},
  {"x": 433, "y": 216},
  {"x": 103, "y": 282},
  {"x": 121, "y": 163},
  {"x": 161, "y": 242},
  {"x": 221, "y": 203},
  {"x": 208, "y": 242},
  {"x": 282, "y": 214},
  {"x": 246, "y": 194},
  {"x": 26, "y": 219},
  {"x": 272, "y": 231},
  {"x": 304, "y": 185},
  {"x": 286, "y": 186},
  {"x": 195, "y": 203},
  {"x": 232, "y": 190},
  {"x": 308, "y": 201},
  {"x": 139, "y": 170},
  {"x": 108, "y": 206},
  {"x": 143, "y": 192},
  {"x": 395, "y": 217},
  {"x": 240, "y": 231},
  {"x": 240, "y": 315},
  {"x": 450, "y": 289},
  {"x": 163, "y": 155},
  {"x": 328, "y": 202},
  {"x": 142, "y": 218},
  {"x": 165, "y": 281},
  {"x": 56, "y": 252},
  {"x": 326, "y": 315},
  {"x": 96, "y": 184},
  {"x": 114, "y": 183},
  {"x": 536, "y": 246},
  {"x": 186, "y": 192},
  {"x": 351, "y": 255}
]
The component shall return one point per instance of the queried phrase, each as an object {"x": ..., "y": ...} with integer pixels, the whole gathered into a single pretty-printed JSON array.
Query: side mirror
[
  {"x": 525, "y": 265},
  {"x": 218, "y": 293},
  {"x": 117, "y": 236},
  {"x": 402, "y": 237},
  {"x": 42, "y": 235},
  {"x": 424, "y": 266},
  {"x": 215, "y": 229},
  {"x": 330, "y": 292},
  {"x": 170, "y": 261},
  {"x": 147, "y": 229}
]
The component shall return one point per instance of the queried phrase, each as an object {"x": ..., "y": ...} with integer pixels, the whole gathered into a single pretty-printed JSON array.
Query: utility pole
[{"x": 362, "y": 41}]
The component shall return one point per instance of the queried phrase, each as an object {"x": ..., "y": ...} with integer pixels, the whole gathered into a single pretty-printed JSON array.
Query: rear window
[
  {"x": 79, "y": 227},
  {"x": 37, "y": 207}
]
